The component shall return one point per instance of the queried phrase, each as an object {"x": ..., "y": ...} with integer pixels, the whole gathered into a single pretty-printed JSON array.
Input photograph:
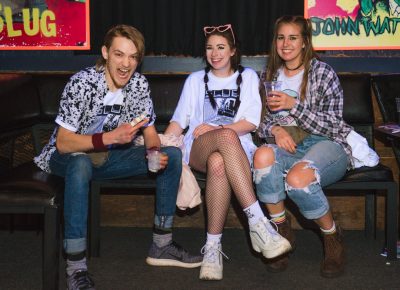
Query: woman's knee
[
  {"x": 301, "y": 175},
  {"x": 311, "y": 200},
  {"x": 264, "y": 157},
  {"x": 216, "y": 164},
  {"x": 228, "y": 136}
]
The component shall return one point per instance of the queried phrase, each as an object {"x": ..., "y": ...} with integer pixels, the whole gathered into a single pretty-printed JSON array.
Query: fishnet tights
[{"x": 220, "y": 154}]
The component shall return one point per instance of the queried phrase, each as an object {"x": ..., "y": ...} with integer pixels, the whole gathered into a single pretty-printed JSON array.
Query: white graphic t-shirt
[
  {"x": 290, "y": 86},
  {"x": 107, "y": 116},
  {"x": 194, "y": 107},
  {"x": 225, "y": 110}
]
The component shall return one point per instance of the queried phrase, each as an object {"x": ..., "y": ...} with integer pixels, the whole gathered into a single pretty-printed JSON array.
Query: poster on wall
[
  {"x": 44, "y": 25},
  {"x": 354, "y": 24}
]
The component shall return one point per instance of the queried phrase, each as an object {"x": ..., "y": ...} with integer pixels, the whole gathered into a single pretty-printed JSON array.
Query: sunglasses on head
[{"x": 221, "y": 28}]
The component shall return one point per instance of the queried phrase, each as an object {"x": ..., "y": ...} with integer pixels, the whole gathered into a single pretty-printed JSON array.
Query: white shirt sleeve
[
  {"x": 184, "y": 108},
  {"x": 250, "y": 106},
  {"x": 65, "y": 125}
]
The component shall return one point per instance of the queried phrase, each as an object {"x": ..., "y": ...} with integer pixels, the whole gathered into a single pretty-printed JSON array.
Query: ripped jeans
[{"x": 327, "y": 158}]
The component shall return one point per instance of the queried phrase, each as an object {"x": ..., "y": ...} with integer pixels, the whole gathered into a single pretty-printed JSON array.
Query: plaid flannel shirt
[{"x": 322, "y": 111}]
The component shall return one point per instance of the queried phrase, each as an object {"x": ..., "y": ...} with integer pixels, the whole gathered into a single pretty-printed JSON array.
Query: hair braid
[
  {"x": 211, "y": 97},
  {"x": 239, "y": 81}
]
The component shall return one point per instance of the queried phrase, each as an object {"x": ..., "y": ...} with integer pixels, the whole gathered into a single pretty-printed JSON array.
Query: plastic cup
[
  {"x": 153, "y": 159},
  {"x": 269, "y": 87}
]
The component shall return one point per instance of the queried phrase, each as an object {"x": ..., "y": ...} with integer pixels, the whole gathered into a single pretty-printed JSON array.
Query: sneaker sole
[
  {"x": 209, "y": 274},
  {"x": 285, "y": 247},
  {"x": 332, "y": 274},
  {"x": 173, "y": 263},
  {"x": 277, "y": 266},
  {"x": 210, "y": 278}
]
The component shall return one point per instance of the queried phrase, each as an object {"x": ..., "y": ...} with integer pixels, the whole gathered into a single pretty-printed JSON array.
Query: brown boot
[
  {"x": 333, "y": 264},
  {"x": 280, "y": 263}
]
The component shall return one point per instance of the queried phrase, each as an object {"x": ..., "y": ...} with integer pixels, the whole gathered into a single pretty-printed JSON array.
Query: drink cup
[
  {"x": 270, "y": 87},
  {"x": 153, "y": 159}
]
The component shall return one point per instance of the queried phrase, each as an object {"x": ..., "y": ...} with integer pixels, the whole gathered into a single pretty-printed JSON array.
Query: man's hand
[
  {"x": 123, "y": 134},
  {"x": 163, "y": 160}
]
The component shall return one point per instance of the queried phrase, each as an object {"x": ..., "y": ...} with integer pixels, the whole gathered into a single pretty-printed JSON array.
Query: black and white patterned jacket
[{"x": 83, "y": 98}]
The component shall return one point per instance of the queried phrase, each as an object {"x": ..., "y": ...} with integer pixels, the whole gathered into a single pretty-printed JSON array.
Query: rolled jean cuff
[
  {"x": 163, "y": 221},
  {"x": 74, "y": 246},
  {"x": 316, "y": 214}
]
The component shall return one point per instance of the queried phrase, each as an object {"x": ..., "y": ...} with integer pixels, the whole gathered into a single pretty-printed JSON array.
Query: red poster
[{"x": 44, "y": 25}]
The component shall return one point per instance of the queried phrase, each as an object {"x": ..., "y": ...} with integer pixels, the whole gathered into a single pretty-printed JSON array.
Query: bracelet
[
  {"x": 154, "y": 148},
  {"x": 97, "y": 141}
]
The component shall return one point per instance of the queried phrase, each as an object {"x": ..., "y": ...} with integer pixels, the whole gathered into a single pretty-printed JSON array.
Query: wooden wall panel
[{"x": 137, "y": 211}]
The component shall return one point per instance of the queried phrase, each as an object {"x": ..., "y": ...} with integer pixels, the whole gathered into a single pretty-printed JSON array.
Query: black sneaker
[
  {"x": 172, "y": 255},
  {"x": 80, "y": 280}
]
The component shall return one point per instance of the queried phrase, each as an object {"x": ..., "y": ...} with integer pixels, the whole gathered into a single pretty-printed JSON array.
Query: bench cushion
[
  {"x": 20, "y": 102},
  {"x": 357, "y": 100},
  {"x": 379, "y": 173},
  {"x": 50, "y": 88},
  {"x": 386, "y": 88},
  {"x": 28, "y": 185},
  {"x": 165, "y": 92}
]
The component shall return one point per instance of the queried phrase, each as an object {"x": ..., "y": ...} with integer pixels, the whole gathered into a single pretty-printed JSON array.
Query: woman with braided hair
[{"x": 221, "y": 105}]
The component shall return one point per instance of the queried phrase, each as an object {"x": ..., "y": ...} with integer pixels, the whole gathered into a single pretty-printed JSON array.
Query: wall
[{"x": 349, "y": 61}]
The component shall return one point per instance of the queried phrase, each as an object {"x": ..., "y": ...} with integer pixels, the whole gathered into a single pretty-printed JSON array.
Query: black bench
[
  {"x": 24, "y": 188},
  {"x": 37, "y": 120},
  {"x": 358, "y": 111}
]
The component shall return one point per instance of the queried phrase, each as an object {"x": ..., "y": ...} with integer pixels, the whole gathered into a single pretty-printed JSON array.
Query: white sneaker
[
  {"x": 211, "y": 267},
  {"x": 267, "y": 240}
]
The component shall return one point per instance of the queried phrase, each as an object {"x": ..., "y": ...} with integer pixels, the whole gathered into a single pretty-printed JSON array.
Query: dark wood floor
[{"x": 122, "y": 263}]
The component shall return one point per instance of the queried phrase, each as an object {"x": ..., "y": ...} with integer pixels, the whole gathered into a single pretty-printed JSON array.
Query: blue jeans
[
  {"x": 327, "y": 158},
  {"x": 126, "y": 161}
]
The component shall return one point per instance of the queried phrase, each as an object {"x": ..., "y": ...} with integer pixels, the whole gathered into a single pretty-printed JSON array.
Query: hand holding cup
[
  {"x": 156, "y": 160},
  {"x": 270, "y": 88},
  {"x": 153, "y": 159}
]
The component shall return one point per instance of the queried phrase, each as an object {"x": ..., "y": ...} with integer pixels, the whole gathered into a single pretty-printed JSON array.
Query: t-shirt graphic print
[
  {"x": 290, "y": 86},
  {"x": 225, "y": 110},
  {"x": 282, "y": 117},
  {"x": 108, "y": 117}
]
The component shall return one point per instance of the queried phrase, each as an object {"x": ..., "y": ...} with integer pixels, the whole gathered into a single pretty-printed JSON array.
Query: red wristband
[{"x": 97, "y": 141}]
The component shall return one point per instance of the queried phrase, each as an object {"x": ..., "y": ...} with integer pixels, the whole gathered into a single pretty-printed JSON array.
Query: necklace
[{"x": 296, "y": 68}]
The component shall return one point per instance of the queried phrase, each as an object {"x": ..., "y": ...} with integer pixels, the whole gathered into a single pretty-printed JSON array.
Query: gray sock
[
  {"x": 162, "y": 240},
  {"x": 72, "y": 266}
]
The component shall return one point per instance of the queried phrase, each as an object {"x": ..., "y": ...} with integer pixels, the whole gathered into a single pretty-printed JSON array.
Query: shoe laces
[
  {"x": 271, "y": 226},
  {"x": 211, "y": 252},
  {"x": 82, "y": 280}
]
